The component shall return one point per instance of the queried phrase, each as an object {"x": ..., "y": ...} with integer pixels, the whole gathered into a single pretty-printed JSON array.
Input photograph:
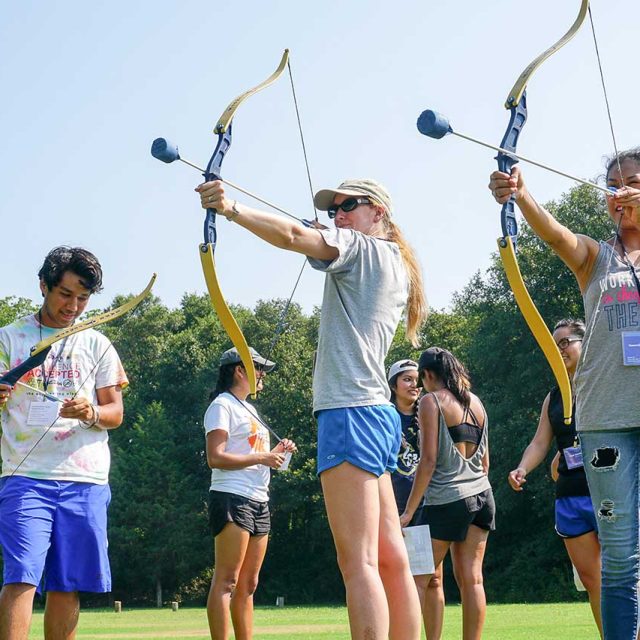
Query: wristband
[{"x": 95, "y": 418}]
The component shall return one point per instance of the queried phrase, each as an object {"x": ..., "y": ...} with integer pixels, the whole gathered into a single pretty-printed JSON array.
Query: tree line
[{"x": 160, "y": 546}]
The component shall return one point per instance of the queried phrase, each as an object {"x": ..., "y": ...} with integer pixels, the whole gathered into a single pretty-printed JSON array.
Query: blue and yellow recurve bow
[
  {"x": 435, "y": 125},
  {"x": 168, "y": 152}
]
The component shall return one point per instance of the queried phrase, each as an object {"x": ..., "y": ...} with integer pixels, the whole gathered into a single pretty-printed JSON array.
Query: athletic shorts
[
  {"x": 450, "y": 522},
  {"x": 575, "y": 516},
  {"x": 367, "y": 437},
  {"x": 250, "y": 515},
  {"x": 55, "y": 529}
]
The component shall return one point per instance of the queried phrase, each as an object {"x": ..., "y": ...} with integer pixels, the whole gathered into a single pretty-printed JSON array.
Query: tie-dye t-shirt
[
  {"x": 246, "y": 435},
  {"x": 82, "y": 363}
]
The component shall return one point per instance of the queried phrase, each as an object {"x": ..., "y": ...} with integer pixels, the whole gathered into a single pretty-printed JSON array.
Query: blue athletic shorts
[
  {"x": 367, "y": 437},
  {"x": 57, "y": 530},
  {"x": 575, "y": 516}
]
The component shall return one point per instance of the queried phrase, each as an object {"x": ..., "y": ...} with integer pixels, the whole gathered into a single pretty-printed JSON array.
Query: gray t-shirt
[
  {"x": 456, "y": 477},
  {"x": 365, "y": 292},
  {"x": 607, "y": 391}
]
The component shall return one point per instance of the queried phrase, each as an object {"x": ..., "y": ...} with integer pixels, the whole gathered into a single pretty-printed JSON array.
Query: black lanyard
[
  {"x": 255, "y": 415},
  {"x": 629, "y": 264}
]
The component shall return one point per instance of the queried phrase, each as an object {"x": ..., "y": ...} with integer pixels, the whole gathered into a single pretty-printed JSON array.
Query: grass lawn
[{"x": 504, "y": 622}]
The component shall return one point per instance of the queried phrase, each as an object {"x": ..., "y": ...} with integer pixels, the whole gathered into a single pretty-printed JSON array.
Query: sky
[{"x": 87, "y": 86}]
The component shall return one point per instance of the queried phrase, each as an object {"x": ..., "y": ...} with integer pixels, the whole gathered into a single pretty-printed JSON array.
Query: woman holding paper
[
  {"x": 452, "y": 478},
  {"x": 239, "y": 455},
  {"x": 405, "y": 393}
]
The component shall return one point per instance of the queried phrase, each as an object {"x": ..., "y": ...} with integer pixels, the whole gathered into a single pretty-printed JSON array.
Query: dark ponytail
[
  {"x": 450, "y": 371},
  {"x": 224, "y": 381}
]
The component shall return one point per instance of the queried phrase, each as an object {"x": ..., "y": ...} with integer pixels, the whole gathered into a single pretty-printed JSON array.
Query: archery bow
[
  {"x": 516, "y": 103},
  {"x": 40, "y": 351},
  {"x": 434, "y": 125},
  {"x": 165, "y": 151}
]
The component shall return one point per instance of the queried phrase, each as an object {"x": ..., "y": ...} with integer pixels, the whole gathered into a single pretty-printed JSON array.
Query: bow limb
[
  {"x": 536, "y": 324},
  {"x": 516, "y": 103},
  {"x": 520, "y": 86},
  {"x": 226, "y": 317},
  {"x": 227, "y": 115},
  {"x": 207, "y": 248},
  {"x": 41, "y": 350}
]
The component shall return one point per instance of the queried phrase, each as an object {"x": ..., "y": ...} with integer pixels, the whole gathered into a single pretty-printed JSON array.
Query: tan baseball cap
[{"x": 324, "y": 198}]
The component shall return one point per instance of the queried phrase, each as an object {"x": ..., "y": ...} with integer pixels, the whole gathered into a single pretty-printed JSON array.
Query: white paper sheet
[{"x": 418, "y": 543}]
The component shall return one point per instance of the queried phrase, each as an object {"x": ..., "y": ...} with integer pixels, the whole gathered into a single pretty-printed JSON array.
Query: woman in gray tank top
[
  {"x": 607, "y": 380},
  {"x": 452, "y": 477}
]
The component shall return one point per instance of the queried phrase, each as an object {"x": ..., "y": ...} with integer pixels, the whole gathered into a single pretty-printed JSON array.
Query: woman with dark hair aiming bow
[
  {"x": 452, "y": 477},
  {"x": 372, "y": 276},
  {"x": 240, "y": 458},
  {"x": 607, "y": 378},
  {"x": 574, "y": 517}
]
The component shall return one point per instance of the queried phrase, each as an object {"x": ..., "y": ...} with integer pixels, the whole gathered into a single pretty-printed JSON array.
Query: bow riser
[
  {"x": 517, "y": 120},
  {"x": 213, "y": 172}
]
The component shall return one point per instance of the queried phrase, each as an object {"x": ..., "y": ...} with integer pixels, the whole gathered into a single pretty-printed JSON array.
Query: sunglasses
[
  {"x": 565, "y": 342},
  {"x": 347, "y": 206}
]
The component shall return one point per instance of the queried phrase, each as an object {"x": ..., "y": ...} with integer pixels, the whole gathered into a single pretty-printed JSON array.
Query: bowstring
[
  {"x": 591, "y": 326},
  {"x": 285, "y": 312},
  {"x": 606, "y": 95}
]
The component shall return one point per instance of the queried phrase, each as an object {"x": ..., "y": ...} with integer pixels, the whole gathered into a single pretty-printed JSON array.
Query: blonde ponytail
[{"x": 417, "y": 305}]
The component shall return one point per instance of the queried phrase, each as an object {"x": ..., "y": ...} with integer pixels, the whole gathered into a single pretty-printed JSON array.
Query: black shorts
[
  {"x": 251, "y": 515},
  {"x": 450, "y": 522}
]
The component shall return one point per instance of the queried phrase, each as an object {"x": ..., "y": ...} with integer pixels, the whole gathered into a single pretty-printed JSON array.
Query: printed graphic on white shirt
[{"x": 246, "y": 435}]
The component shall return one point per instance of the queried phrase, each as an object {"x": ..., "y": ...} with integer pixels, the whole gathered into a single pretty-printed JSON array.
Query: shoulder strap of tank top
[{"x": 435, "y": 397}]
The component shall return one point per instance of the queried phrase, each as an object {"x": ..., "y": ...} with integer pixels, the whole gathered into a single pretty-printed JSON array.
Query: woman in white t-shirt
[{"x": 240, "y": 458}]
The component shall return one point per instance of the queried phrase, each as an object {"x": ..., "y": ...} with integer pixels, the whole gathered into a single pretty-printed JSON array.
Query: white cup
[{"x": 285, "y": 463}]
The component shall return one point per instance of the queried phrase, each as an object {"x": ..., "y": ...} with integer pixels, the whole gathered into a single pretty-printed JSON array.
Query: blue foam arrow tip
[
  {"x": 433, "y": 124},
  {"x": 164, "y": 150}
]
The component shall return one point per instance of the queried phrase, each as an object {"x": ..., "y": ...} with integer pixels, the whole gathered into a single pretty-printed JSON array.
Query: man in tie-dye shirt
[{"x": 54, "y": 488}]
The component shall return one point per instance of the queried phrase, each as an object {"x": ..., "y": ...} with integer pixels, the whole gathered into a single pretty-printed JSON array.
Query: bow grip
[
  {"x": 517, "y": 120},
  {"x": 12, "y": 376},
  {"x": 433, "y": 124},
  {"x": 162, "y": 149}
]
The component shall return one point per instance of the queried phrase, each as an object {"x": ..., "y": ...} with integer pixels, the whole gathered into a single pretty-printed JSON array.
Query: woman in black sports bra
[{"x": 452, "y": 477}]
